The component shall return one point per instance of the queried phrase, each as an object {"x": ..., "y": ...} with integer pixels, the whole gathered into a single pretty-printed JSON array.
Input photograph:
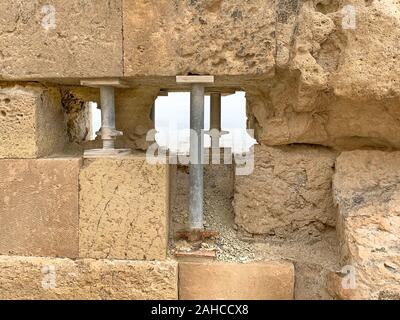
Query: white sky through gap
[{"x": 172, "y": 121}]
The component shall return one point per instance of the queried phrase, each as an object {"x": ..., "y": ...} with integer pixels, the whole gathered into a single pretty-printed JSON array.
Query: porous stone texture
[
  {"x": 61, "y": 38},
  {"x": 123, "y": 209},
  {"x": 206, "y": 37},
  {"x": 133, "y": 109},
  {"x": 235, "y": 281},
  {"x": 315, "y": 71},
  {"x": 366, "y": 188},
  {"x": 336, "y": 83},
  {"x": 32, "y": 278},
  {"x": 289, "y": 189},
  {"x": 31, "y": 122},
  {"x": 39, "y": 207}
]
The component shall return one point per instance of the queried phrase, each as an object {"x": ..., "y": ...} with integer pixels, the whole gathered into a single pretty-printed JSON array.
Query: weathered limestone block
[
  {"x": 39, "y": 207},
  {"x": 31, "y": 122},
  {"x": 289, "y": 189},
  {"x": 367, "y": 190},
  {"x": 218, "y": 37},
  {"x": 234, "y": 281},
  {"x": 60, "y": 39},
  {"x": 337, "y": 122},
  {"x": 123, "y": 209},
  {"x": 369, "y": 61},
  {"x": 337, "y": 78},
  {"x": 35, "y": 278}
]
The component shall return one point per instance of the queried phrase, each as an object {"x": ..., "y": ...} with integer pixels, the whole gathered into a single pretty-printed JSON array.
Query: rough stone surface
[
  {"x": 289, "y": 189},
  {"x": 31, "y": 122},
  {"x": 311, "y": 75},
  {"x": 217, "y": 37},
  {"x": 35, "y": 278},
  {"x": 334, "y": 85},
  {"x": 39, "y": 207},
  {"x": 228, "y": 281},
  {"x": 366, "y": 188},
  {"x": 83, "y": 40},
  {"x": 133, "y": 109},
  {"x": 79, "y": 117},
  {"x": 123, "y": 209},
  {"x": 311, "y": 281}
]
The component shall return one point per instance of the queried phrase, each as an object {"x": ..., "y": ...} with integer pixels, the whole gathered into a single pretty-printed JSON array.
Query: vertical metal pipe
[
  {"x": 196, "y": 157},
  {"x": 215, "y": 118},
  {"x": 107, "y": 99},
  {"x": 215, "y": 113}
]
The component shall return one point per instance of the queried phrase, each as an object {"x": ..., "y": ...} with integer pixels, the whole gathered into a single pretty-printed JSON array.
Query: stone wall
[
  {"x": 124, "y": 207},
  {"x": 366, "y": 188},
  {"x": 318, "y": 91},
  {"x": 58, "y": 211},
  {"x": 31, "y": 121},
  {"x": 60, "y": 39},
  {"x": 34, "y": 278},
  {"x": 290, "y": 189},
  {"x": 309, "y": 76}
]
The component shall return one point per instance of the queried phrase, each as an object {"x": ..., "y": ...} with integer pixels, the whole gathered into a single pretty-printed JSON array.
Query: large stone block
[
  {"x": 60, "y": 39},
  {"x": 369, "y": 65},
  {"x": 337, "y": 77},
  {"x": 336, "y": 122},
  {"x": 39, "y": 207},
  {"x": 123, "y": 209},
  {"x": 218, "y": 37},
  {"x": 367, "y": 190},
  {"x": 31, "y": 122},
  {"x": 35, "y": 278},
  {"x": 289, "y": 189},
  {"x": 229, "y": 281}
]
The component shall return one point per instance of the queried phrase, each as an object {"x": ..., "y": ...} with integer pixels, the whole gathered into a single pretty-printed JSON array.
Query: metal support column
[
  {"x": 196, "y": 156},
  {"x": 196, "y": 229},
  {"x": 108, "y": 131},
  {"x": 215, "y": 119}
]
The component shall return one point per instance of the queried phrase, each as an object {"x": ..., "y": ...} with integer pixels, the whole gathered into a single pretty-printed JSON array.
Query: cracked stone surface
[
  {"x": 33, "y": 278},
  {"x": 123, "y": 209},
  {"x": 289, "y": 189},
  {"x": 366, "y": 188}
]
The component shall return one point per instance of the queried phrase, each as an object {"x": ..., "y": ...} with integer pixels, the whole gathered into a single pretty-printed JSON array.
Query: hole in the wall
[
  {"x": 95, "y": 119},
  {"x": 172, "y": 121},
  {"x": 80, "y": 116},
  {"x": 6, "y": 101},
  {"x": 3, "y": 113}
]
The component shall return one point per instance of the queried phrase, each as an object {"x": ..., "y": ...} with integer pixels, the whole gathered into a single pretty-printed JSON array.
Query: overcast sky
[{"x": 173, "y": 116}]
